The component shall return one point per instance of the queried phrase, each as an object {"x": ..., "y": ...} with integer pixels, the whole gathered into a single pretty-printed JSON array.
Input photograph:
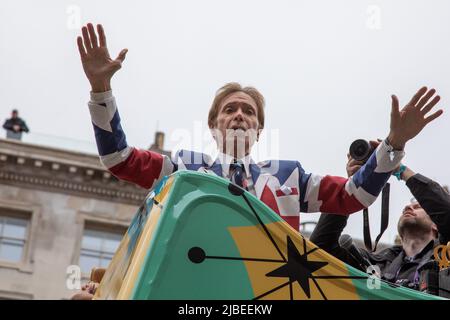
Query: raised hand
[
  {"x": 97, "y": 63},
  {"x": 408, "y": 122}
]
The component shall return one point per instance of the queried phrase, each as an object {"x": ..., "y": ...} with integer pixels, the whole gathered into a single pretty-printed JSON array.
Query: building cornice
[{"x": 57, "y": 170}]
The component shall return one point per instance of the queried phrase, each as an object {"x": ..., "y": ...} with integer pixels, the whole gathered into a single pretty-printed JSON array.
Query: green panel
[{"x": 198, "y": 213}]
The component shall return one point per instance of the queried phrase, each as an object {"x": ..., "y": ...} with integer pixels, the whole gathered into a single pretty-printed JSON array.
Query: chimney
[
  {"x": 159, "y": 140},
  {"x": 158, "y": 145}
]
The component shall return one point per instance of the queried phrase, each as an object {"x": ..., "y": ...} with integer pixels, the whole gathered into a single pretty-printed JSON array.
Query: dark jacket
[
  {"x": 394, "y": 265},
  {"x": 11, "y": 122}
]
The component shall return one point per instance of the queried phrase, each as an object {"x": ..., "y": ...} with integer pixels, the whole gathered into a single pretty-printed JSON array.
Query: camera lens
[{"x": 360, "y": 150}]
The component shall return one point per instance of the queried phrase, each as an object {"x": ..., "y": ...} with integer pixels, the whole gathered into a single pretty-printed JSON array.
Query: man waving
[{"x": 236, "y": 119}]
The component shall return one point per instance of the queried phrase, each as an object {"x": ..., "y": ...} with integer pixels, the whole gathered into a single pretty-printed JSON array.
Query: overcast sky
[{"x": 326, "y": 68}]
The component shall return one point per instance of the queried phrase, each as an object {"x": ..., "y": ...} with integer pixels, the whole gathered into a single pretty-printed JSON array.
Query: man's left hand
[{"x": 408, "y": 122}]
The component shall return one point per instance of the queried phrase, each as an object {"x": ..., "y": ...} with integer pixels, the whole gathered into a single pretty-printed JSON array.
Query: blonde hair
[{"x": 230, "y": 88}]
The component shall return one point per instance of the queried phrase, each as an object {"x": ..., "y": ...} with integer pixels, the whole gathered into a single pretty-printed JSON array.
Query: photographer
[
  {"x": 14, "y": 126},
  {"x": 422, "y": 226}
]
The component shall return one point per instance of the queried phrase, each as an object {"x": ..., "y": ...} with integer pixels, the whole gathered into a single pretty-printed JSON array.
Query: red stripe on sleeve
[
  {"x": 142, "y": 167},
  {"x": 335, "y": 198}
]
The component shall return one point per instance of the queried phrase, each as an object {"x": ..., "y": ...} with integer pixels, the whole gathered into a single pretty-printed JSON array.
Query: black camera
[{"x": 361, "y": 150}]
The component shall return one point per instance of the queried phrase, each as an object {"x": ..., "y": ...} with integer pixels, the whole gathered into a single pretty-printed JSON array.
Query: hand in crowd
[{"x": 87, "y": 291}]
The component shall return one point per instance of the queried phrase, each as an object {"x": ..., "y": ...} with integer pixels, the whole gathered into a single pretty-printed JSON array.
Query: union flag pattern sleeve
[
  {"x": 142, "y": 167},
  {"x": 281, "y": 189},
  {"x": 338, "y": 195}
]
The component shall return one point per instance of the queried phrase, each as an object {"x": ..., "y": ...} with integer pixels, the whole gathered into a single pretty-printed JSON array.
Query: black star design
[{"x": 297, "y": 268}]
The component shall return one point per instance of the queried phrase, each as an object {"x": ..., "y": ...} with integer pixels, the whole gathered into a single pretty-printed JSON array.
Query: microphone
[{"x": 346, "y": 242}]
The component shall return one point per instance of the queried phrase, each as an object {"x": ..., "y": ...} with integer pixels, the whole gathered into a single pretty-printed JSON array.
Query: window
[
  {"x": 98, "y": 248},
  {"x": 13, "y": 236}
]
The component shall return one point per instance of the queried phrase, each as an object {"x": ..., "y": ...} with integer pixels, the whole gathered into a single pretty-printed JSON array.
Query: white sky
[{"x": 327, "y": 69}]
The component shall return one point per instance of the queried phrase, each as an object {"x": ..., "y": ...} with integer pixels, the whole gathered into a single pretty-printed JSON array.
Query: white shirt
[{"x": 225, "y": 161}]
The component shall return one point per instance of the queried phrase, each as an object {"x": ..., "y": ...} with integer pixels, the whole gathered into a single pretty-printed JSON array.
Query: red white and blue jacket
[{"x": 283, "y": 185}]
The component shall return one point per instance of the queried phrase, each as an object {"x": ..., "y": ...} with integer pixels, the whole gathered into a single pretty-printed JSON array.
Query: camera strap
[{"x": 384, "y": 219}]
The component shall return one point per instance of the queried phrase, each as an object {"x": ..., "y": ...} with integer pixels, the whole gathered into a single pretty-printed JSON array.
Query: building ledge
[{"x": 57, "y": 170}]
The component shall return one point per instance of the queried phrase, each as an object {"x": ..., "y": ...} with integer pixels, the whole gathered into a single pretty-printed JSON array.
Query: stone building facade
[
  {"x": 61, "y": 213},
  {"x": 58, "y": 208}
]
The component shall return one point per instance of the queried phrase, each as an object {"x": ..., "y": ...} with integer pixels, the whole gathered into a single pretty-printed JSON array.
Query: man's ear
[
  {"x": 212, "y": 125},
  {"x": 213, "y": 131}
]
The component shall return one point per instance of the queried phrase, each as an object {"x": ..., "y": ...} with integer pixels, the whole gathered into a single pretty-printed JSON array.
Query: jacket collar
[{"x": 224, "y": 160}]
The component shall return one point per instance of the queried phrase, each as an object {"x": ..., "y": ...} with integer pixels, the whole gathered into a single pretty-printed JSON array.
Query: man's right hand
[
  {"x": 354, "y": 165},
  {"x": 97, "y": 64}
]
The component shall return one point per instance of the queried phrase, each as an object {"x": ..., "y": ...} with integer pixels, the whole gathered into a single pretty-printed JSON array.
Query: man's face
[
  {"x": 14, "y": 115},
  {"x": 237, "y": 124},
  {"x": 415, "y": 219}
]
